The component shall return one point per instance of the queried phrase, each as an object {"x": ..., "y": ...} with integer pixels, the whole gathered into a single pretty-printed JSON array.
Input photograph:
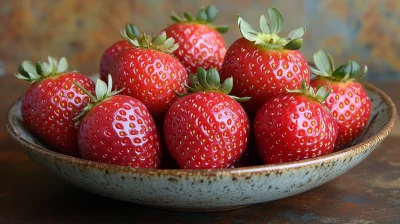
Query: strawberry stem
[
  {"x": 92, "y": 98},
  {"x": 203, "y": 16},
  {"x": 320, "y": 95},
  {"x": 209, "y": 81},
  {"x": 160, "y": 42},
  {"x": 30, "y": 72},
  {"x": 325, "y": 67},
  {"x": 103, "y": 91},
  {"x": 270, "y": 28}
]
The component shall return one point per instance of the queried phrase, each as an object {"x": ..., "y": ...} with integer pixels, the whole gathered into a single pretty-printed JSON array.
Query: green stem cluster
[
  {"x": 270, "y": 28},
  {"x": 346, "y": 72},
  {"x": 209, "y": 81},
  {"x": 28, "y": 71},
  {"x": 160, "y": 42},
  {"x": 203, "y": 16}
]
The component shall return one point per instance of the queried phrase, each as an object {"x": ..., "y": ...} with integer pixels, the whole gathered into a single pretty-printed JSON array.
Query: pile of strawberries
[{"x": 166, "y": 99}]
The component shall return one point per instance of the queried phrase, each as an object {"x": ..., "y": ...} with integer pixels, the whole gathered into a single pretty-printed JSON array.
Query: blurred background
[{"x": 367, "y": 31}]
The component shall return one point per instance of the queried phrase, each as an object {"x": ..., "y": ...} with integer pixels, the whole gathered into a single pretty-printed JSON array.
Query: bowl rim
[{"x": 241, "y": 171}]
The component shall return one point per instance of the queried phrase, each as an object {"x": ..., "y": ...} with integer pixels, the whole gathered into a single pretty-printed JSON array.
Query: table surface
[{"x": 369, "y": 193}]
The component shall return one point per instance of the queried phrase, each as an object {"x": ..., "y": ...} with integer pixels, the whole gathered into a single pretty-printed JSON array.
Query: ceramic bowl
[{"x": 206, "y": 190}]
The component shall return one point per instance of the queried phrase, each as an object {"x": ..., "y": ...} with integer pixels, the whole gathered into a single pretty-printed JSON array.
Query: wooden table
[{"x": 369, "y": 193}]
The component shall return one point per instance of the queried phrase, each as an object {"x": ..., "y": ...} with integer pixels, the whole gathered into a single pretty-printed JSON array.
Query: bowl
[{"x": 208, "y": 190}]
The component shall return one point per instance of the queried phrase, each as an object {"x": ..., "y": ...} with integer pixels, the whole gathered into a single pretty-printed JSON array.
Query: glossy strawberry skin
[
  {"x": 150, "y": 76},
  {"x": 262, "y": 73},
  {"x": 199, "y": 46},
  {"x": 49, "y": 106},
  {"x": 291, "y": 127},
  {"x": 350, "y": 106},
  {"x": 206, "y": 130},
  {"x": 120, "y": 131},
  {"x": 109, "y": 56}
]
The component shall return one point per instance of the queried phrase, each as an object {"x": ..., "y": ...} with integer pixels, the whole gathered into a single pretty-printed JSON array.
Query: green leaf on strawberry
[
  {"x": 159, "y": 42},
  {"x": 203, "y": 16},
  {"x": 102, "y": 90},
  {"x": 29, "y": 72},
  {"x": 130, "y": 32},
  {"x": 270, "y": 28},
  {"x": 319, "y": 94},
  {"x": 209, "y": 81},
  {"x": 325, "y": 67}
]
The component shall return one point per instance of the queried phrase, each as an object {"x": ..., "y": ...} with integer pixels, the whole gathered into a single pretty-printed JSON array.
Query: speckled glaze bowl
[{"x": 207, "y": 190}]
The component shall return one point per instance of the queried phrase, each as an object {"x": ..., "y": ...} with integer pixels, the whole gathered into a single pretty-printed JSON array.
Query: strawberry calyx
[
  {"x": 320, "y": 95},
  {"x": 346, "y": 72},
  {"x": 141, "y": 40},
  {"x": 130, "y": 32},
  {"x": 270, "y": 28},
  {"x": 102, "y": 90},
  {"x": 203, "y": 16},
  {"x": 209, "y": 81},
  {"x": 28, "y": 71}
]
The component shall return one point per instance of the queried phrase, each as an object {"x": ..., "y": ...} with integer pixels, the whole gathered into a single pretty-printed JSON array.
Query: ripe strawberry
[
  {"x": 264, "y": 64},
  {"x": 52, "y": 101},
  {"x": 114, "y": 50},
  {"x": 200, "y": 42},
  {"x": 118, "y": 129},
  {"x": 295, "y": 126},
  {"x": 349, "y": 103},
  {"x": 149, "y": 73},
  {"x": 207, "y": 128}
]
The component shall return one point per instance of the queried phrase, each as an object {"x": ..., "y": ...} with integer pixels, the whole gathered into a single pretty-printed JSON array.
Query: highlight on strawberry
[
  {"x": 349, "y": 102},
  {"x": 206, "y": 128},
  {"x": 200, "y": 42},
  {"x": 52, "y": 101},
  {"x": 264, "y": 64},
  {"x": 117, "y": 129}
]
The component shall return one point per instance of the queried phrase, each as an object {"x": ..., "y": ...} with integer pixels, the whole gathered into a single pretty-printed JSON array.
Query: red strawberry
[
  {"x": 295, "y": 126},
  {"x": 52, "y": 101},
  {"x": 114, "y": 50},
  {"x": 207, "y": 128},
  {"x": 200, "y": 42},
  {"x": 349, "y": 103},
  {"x": 119, "y": 130},
  {"x": 264, "y": 64},
  {"x": 149, "y": 73}
]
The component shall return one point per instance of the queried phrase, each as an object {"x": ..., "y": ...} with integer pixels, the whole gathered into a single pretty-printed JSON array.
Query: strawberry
[
  {"x": 52, "y": 101},
  {"x": 264, "y": 64},
  {"x": 114, "y": 50},
  {"x": 206, "y": 128},
  {"x": 295, "y": 126},
  {"x": 118, "y": 129},
  {"x": 149, "y": 73},
  {"x": 200, "y": 42},
  {"x": 349, "y": 103}
]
